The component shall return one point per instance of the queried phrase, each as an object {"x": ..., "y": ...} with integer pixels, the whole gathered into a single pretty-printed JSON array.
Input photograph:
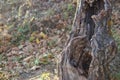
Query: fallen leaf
[
  {"x": 31, "y": 38},
  {"x": 45, "y": 76},
  {"x": 35, "y": 68},
  {"x": 21, "y": 46},
  {"x": 37, "y": 61},
  {"x": 43, "y": 35},
  {"x": 28, "y": 58},
  {"x": 33, "y": 34},
  {"x": 37, "y": 41},
  {"x": 56, "y": 77}
]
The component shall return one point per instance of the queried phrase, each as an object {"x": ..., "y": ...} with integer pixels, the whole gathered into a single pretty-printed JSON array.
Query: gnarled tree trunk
[{"x": 90, "y": 48}]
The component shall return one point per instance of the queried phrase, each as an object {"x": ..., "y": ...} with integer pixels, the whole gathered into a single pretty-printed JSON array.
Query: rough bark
[{"x": 90, "y": 48}]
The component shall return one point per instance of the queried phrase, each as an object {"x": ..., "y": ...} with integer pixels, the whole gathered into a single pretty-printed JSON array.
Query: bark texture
[{"x": 90, "y": 49}]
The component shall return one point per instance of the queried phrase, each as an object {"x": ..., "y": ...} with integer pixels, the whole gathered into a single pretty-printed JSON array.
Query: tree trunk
[{"x": 90, "y": 49}]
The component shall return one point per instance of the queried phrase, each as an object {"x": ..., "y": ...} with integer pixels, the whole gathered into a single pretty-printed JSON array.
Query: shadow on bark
[{"x": 90, "y": 49}]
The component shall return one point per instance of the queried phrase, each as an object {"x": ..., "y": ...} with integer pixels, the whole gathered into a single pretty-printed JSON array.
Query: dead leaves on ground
[
  {"x": 37, "y": 37},
  {"x": 45, "y": 76},
  {"x": 44, "y": 36}
]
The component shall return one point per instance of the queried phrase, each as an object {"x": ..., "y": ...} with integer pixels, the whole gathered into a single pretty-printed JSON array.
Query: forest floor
[{"x": 33, "y": 34}]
